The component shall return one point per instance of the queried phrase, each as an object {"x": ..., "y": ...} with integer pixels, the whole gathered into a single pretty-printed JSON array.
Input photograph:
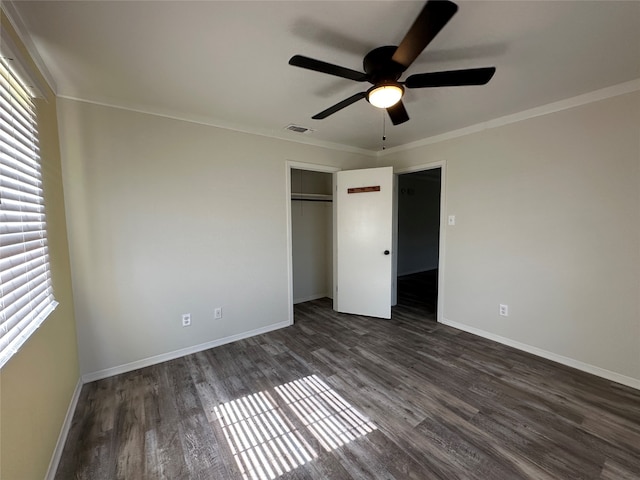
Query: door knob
[{"x": 386, "y": 252}]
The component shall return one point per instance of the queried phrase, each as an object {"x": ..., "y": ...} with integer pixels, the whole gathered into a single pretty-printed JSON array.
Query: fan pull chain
[{"x": 384, "y": 131}]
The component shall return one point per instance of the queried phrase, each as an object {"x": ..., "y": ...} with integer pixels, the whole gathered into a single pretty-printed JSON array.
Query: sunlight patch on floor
[
  {"x": 264, "y": 444},
  {"x": 265, "y": 441},
  {"x": 330, "y": 418}
]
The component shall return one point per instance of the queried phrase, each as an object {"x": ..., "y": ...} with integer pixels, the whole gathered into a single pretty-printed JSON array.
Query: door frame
[
  {"x": 442, "y": 164},
  {"x": 313, "y": 167}
]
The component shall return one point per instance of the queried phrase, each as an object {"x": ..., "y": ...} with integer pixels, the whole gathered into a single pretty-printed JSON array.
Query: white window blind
[{"x": 26, "y": 295}]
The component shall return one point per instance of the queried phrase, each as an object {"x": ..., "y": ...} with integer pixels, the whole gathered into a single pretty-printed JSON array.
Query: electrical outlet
[
  {"x": 504, "y": 310},
  {"x": 217, "y": 313},
  {"x": 186, "y": 319}
]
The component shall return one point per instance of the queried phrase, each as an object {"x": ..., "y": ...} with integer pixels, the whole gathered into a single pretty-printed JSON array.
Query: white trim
[
  {"x": 565, "y": 104},
  {"x": 419, "y": 168},
  {"x": 31, "y": 81},
  {"x": 147, "y": 362},
  {"x": 64, "y": 431},
  {"x": 311, "y": 297},
  {"x": 289, "y": 239},
  {"x": 25, "y": 334},
  {"x": 442, "y": 165},
  {"x": 595, "y": 96},
  {"x": 218, "y": 123},
  {"x": 620, "y": 89},
  {"x": 394, "y": 242},
  {"x": 570, "y": 362},
  {"x": 22, "y": 31},
  {"x": 314, "y": 167}
]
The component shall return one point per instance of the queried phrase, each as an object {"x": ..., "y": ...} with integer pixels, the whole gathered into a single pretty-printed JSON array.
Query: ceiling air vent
[{"x": 298, "y": 129}]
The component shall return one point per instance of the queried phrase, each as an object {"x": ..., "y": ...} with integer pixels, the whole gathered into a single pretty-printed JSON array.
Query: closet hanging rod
[{"x": 311, "y": 197}]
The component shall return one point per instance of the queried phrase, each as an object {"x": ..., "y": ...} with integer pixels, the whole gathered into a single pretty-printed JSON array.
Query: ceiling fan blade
[
  {"x": 398, "y": 113},
  {"x": 453, "y": 78},
  {"x": 329, "y": 68},
  {"x": 339, "y": 106},
  {"x": 434, "y": 15}
]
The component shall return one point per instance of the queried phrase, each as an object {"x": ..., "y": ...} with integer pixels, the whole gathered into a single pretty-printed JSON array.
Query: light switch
[{"x": 452, "y": 219}]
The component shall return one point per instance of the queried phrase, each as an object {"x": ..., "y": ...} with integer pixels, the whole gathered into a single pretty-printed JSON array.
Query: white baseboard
[
  {"x": 64, "y": 431},
  {"x": 66, "y": 425},
  {"x": 570, "y": 362},
  {"x": 147, "y": 362},
  {"x": 310, "y": 297}
]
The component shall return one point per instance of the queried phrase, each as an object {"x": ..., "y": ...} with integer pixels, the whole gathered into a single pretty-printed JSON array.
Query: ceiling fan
[{"x": 383, "y": 66}]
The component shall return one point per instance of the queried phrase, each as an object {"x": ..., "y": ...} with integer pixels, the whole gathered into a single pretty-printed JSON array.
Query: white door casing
[{"x": 363, "y": 234}]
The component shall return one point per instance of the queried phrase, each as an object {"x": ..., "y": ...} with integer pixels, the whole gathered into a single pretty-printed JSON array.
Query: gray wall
[
  {"x": 418, "y": 221},
  {"x": 168, "y": 217},
  {"x": 547, "y": 221},
  {"x": 311, "y": 237}
]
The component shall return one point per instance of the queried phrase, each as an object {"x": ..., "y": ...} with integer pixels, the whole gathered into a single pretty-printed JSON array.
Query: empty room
[{"x": 368, "y": 239}]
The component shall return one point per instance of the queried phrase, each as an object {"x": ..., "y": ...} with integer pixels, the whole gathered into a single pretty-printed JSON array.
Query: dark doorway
[{"x": 418, "y": 242}]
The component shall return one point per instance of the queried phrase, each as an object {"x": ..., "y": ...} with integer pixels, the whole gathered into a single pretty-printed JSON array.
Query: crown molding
[
  {"x": 584, "y": 99},
  {"x": 14, "y": 17},
  {"x": 225, "y": 126},
  {"x": 565, "y": 104}
]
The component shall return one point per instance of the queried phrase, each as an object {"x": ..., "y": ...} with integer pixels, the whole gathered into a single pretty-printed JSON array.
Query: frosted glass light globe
[{"x": 385, "y": 96}]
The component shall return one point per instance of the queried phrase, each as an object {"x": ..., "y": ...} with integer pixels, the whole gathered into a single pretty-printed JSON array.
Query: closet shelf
[{"x": 312, "y": 197}]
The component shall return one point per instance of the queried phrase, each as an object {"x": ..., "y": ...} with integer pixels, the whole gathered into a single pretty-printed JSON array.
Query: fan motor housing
[{"x": 379, "y": 67}]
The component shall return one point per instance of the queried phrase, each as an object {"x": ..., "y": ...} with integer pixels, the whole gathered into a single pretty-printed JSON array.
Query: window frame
[{"x": 26, "y": 288}]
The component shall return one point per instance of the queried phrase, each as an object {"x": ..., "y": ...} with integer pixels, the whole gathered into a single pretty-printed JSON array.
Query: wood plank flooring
[
  {"x": 347, "y": 397},
  {"x": 418, "y": 293}
]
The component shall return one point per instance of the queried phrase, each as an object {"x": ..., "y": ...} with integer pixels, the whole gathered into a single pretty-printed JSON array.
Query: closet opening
[{"x": 311, "y": 234}]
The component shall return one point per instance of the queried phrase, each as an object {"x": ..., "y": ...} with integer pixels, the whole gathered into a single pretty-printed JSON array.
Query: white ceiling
[{"x": 225, "y": 63}]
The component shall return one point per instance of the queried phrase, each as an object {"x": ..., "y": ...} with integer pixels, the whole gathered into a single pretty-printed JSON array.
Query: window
[{"x": 26, "y": 295}]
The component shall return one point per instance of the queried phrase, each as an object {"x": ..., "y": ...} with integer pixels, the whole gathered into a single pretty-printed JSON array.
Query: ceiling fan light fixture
[{"x": 386, "y": 95}]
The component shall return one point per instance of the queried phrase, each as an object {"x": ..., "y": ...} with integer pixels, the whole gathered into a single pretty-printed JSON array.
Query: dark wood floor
[
  {"x": 347, "y": 397},
  {"x": 418, "y": 294}
]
